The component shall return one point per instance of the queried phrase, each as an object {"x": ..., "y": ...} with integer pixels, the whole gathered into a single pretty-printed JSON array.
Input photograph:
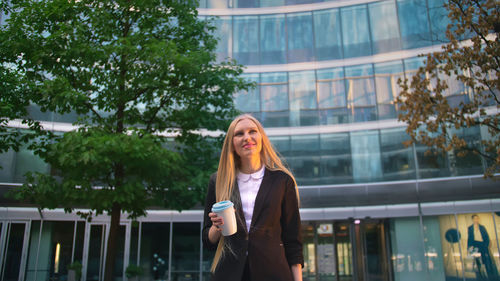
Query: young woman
[{"x": 267, "y": 245}]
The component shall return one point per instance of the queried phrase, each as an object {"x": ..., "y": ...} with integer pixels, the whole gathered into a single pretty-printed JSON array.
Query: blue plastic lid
[{"x": 221, "y": 206}]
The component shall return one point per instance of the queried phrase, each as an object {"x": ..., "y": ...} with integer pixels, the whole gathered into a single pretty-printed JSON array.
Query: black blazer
[{"x": 274, "y": 240}]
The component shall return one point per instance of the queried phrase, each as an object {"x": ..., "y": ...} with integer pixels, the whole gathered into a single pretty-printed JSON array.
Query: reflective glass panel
[
  {"x": 246, "y": 39},
  {"x": 274, "y": 99},
  {"x": 303, "y": 98},
  {"x": 331, "y": 96},
  {"x": 431, "y": 164},
  {"x": 13, "y": 252},
  {"x": 31, "y": 273},
  {"x": 336, "y": 162},
  {"x": 155, "y": 244},
  {"x": 186, "y": 251},
  {"x": 272, "y": 39},
  {"x": 95, "y": 260},
  {"x": 327, "y": 22},
  {"x": 304, "y": 159},
  {"x": 398, "y": 161},
  {"x": 218, "y": 4},
  {"x": 27, "y": 161},
  {"x": 413, "y": 23},
  {"x": 463, "y": 162},
  {"x": 365, "y": 151},
  {"x": 249, "y": 100},
  {"x": 361, "y": 92},
  {"x": 439, "y": 20},
  {"x": 246, "y": 3},
  {"x": 271, "y": 3},
  {"x": 408, "y": 259},
  {"x": 434, "y": 254},
  {"x": 309, "y": 246},
  {"x": 7, "y": 161},
  {"x": 384, "y": 27},
  {"x": 282, "y": 145},
  {"x": 356, "y": 35},
  {"x": 386, "y": 81},
  {"x": 134, "y": 242},
  {"x": 224, "y": 35},
  {"x": 300, "y": 37}
]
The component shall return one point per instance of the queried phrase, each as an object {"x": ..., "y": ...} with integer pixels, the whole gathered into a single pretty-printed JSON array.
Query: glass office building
[{"x": 372, "y": 209}]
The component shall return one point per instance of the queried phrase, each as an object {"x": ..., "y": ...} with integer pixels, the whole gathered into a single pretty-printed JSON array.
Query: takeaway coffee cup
[{"x": 225, "y": 209}]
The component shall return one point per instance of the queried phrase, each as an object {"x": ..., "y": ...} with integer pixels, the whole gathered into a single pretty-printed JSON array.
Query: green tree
[
  {"x": 142, "y": 77},
  {"x": 433, "y": 111}
]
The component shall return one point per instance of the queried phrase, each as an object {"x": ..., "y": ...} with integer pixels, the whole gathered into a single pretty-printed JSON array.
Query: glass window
[
  {"x": 134, "y": 242},
  {"x": 218, "y": 4},
  {"x": 27, "y": 161},
  {"x": 13, "y": 252},
  {"x": 438, "y": 15},
  {"x": 274, "y": 99},
  {"x": 365, "y": 150},
  {"x": 386, "y": 81},
  {"x": 408, "y": 259},
  {"x": 186, "y": 251},
  {"x": 331, "y": 96},
  {"x": 31, "y": 273},
  {"x": 79, "y": 238},
  {"x": 272, "y": 3},
  {"x": 246, "y": 39},
  {"x": 398, "y": 162},
  {"x": 431, "y": 163},
  {"x": 300, "y": 37},
  {"x": 248, "y": 101},
  {"x": 336, "y": 162},
  {"x": 433, "y": 251},
  {"x": 224, "y": 35},
  {"x": 303, "y": 98},
  {"x": 246, "y": 3},
  {"x": 305, "y": 160},
  {"x": 360, "y": 92},
  {"x": 282, "y": 145},
  {"x": 7, "y": 161},
  {"x": 413, "y": 23},
  {"x": 155, "y": 244},
  {"x": 272, "y": 39},
  {"x": 355, "y": 31},
  {"x": 309, "y": 246},
  {"x": 384, "y": 27},
  {"x": 464, "y": 162},
  {"x": 327, "y": 22}
]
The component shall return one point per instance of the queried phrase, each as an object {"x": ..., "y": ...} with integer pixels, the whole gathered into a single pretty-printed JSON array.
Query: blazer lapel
[{"x": 261, "y": 196}]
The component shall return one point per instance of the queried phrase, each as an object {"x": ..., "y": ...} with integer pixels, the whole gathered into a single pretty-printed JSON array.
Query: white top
[
  {"x": 477, "y": 234},
  {"x": 249, "y": 185}
]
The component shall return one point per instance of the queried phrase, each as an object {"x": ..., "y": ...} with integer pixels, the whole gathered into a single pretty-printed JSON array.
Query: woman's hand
[
  {"x": 297, "y": 272},
  {"x": 215, "y": 231}
]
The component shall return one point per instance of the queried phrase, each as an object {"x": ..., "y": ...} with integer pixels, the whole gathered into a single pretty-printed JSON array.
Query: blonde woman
[{"x": 267, "y": 245}]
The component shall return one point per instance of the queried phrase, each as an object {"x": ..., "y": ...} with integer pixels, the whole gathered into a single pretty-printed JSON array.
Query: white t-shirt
[{"x": 249, "y": 185}]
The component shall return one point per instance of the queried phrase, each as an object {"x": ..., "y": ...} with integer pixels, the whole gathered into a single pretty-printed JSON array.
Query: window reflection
[
  {"x": 274, "y": 99},
  {"x": 223, "y": 33},
  {"x": 384, "y": 27},
  {"x": 336, "y": 163},
  {"x": 272, "y": 39},
  {"x": 248, "y": 100},
  {"x": 303, "y": 98},
  {"x": 155, "y": 244},
  {"x": 305, "y": 159},
  {"x": 327, "y": 22},
  {"x": 246, "y": 40},
  {"x": 360, "y": 92},
  {"x": 386, "y": 81},
  {"x": 463, "y": 162},
  {"x": 355, "y": 31},
  {"x": 413, "y": 23},
  {"x": 300, "y": 41},
  {"x": 331, "y": 96},
  {"x": 439, "y": 20},
  {"x": 365, "y": 152},
  {"x": 397, "y": 160},
  {"x": 185, "y": 251}
]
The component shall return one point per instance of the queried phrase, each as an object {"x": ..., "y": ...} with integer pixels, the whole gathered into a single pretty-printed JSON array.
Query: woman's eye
[{"x": 238, "y": 134}]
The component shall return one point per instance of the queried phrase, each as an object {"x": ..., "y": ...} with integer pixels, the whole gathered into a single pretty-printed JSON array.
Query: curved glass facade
[{"x": 320, "y": 34}]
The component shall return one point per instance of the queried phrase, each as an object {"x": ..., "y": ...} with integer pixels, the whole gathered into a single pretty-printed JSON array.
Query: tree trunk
[{"x": 111, "y": 250}]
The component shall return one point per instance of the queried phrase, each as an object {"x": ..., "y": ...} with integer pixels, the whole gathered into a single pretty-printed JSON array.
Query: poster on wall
[{"x": 470, "y": 247}]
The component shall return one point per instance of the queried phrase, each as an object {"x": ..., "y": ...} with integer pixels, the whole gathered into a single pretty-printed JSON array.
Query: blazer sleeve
[
  {"x": 207, "y": 223},
  {"x": 291, "y": 227}
]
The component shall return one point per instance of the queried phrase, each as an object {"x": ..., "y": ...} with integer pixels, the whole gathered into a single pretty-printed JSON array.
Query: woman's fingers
[{"x": 216, "y": 220}]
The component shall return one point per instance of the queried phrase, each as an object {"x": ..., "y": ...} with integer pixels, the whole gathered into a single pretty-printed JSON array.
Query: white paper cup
[{"x": 225, "y": 209}]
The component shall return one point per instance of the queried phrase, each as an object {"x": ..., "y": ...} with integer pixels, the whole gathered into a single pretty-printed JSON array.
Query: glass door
[
  {"x": 94, "y": 252},
  {"x": 344, "y": 251},
  {"x": 14, "y": 237}
]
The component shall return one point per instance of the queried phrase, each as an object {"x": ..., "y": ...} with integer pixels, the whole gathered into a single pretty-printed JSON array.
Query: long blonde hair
[{"x": 228, "y": 168}]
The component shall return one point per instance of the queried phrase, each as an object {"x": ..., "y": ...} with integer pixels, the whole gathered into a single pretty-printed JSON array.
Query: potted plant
[
  {"x": 133, "y": 272},
  {"x": 74, "y": 271}
]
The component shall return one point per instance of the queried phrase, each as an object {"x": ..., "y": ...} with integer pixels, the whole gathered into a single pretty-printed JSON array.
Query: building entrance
[{"x": 354, "y": 250}]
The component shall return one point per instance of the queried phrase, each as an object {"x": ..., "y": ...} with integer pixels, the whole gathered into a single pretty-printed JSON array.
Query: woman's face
[{"x": 247, "y": 140}]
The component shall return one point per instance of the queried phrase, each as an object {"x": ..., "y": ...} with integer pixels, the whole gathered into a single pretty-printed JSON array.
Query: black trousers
[{"x": 246, "y": 273}]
